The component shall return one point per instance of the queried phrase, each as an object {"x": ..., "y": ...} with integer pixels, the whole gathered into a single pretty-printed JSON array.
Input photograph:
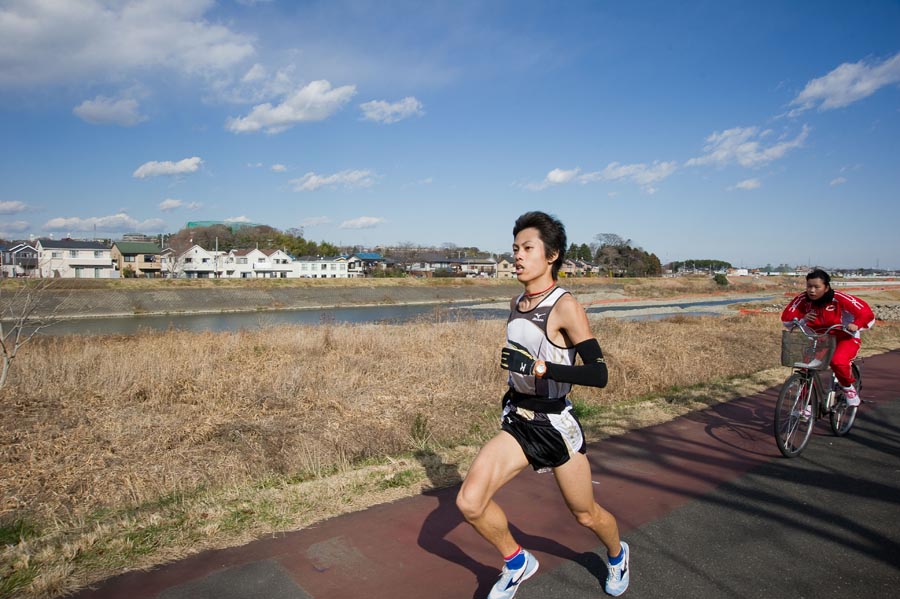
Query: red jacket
[{"x": 842, "y": 309}]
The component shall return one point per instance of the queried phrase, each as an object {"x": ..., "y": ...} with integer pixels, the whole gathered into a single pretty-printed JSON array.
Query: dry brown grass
[{"x": 123, "y": 452}]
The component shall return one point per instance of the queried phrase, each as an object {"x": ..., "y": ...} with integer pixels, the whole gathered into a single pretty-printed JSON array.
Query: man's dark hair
[
  {"x": 820, "y": 274},
  {"x": 552, "y": 233}
]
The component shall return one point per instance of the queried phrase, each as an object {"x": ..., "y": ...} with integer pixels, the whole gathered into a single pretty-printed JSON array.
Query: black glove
[{"x": 516, "y": 359}]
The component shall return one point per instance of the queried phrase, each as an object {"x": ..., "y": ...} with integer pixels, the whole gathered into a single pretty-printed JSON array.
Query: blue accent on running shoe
[
  {"x": 618, "y": 574},
  {"x": 508, "y": 583},
  {"x": 614, "y": 561},
  {"x": 516, "y": 561}
]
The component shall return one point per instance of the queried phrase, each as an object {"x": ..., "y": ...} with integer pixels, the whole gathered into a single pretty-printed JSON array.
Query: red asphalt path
[{"x": 394, "y": 551}]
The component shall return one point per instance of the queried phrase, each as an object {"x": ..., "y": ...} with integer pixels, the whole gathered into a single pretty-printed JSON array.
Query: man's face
[{"x": 530, "y": 257}]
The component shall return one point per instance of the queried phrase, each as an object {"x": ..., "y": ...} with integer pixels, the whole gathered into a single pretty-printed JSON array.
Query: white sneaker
[
  {"x": 851, "y": 396},
  {"x": 618, "y": 576},
  {"x": 508, "y": 583}
]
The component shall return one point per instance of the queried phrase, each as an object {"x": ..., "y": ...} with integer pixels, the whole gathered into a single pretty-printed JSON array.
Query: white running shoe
[
  {"x": 508, "y": 583},
  {"x": 851, "y": 396},
  {"x": 618, "y": 576}
]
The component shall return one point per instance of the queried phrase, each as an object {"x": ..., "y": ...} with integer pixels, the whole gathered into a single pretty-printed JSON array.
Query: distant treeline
[
  {"x": 708, "y": 265},
  {"x": 615, "y": 256}
]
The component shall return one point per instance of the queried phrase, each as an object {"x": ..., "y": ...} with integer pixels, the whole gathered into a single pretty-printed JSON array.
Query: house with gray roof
[{"x": 74, "y": 259}]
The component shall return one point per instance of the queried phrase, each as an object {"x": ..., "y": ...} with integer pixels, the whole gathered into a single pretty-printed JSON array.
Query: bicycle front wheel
[
  {"x": 843, "y": 416},
  {"x": 795, "y": 414}
]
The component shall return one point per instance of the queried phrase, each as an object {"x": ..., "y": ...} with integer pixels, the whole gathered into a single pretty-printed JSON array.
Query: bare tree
[
  {"x": 172, "y": 264},
  {"x": 612, "y": 239},
  {"x": 21, "y": 318}
]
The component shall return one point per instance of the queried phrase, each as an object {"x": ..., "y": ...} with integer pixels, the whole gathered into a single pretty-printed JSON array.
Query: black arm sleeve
[{"x": 592, "y": 373}]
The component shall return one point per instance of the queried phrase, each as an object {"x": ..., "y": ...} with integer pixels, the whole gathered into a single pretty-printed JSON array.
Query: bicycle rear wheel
[
  {"x": 843, "y": 416},
  {"x": 795, "y": 414}
]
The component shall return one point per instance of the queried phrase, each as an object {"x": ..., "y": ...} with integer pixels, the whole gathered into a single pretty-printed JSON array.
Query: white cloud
[
  {"x": 154, "y": 168},
  {"x": 642, "y": 174},
  {"x": 348, "y": 178},
  {"x": 256, "y": 85},
  {"x": 848, "y": 83},
  {"x": 16, "y": 226},
  {"x": 838, "y": 181},
  {"x": 110, "y": 111},
  {"x": 744, "y": 146},
  {"x": 315, "y": 102},
  {"x": 557, "y": 176},
  {"x": 425, "y": 181},
  {"x": 237, "y": 219},
  {"x": 13, "y": 207},
  {"x": 170, "y": 204},
  {"x": 278, "y": 168},
  {"x": 114, "y": 223},
  {"x": 87, "y": 40},
  {"x": 363, "y": 222},
  {"x": 747, "y": 184},
  {"x": 385, "y": 112},
  {"x": 256, "y": 73}
]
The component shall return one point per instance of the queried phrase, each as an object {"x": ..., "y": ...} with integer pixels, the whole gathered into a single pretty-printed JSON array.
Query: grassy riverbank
[{"x": 123, "y": 452}]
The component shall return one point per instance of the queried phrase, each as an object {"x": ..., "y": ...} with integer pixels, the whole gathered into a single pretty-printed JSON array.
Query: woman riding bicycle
[{"x": 821, "y": 307}]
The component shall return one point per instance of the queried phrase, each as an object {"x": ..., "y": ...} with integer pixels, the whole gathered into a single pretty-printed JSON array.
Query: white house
[
  {"x": 361, "y": 264},
  {"x": 321, "y": 268},
  {"x": 72, "y": 259},
  {"x": 472, "y": 267},
  {"x": 198, "y": 263},
  {"x": 256, "y": 263},
  {"x": 19, "y": 260}
]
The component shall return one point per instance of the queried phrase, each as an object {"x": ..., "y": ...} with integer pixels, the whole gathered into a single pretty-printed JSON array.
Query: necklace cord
[{"x": 530, "y": 295}]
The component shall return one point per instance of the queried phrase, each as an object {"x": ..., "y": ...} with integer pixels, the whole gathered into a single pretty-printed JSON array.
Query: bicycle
[{"x": 804, "y": 397}]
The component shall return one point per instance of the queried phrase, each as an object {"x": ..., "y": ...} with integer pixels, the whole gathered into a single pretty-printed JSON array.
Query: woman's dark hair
[
  {"x": 820, "y": 274},
  {"x": 552, "y": 233}
]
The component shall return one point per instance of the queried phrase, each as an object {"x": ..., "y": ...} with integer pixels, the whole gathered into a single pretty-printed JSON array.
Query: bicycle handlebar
[{"x": 809, "y": 332}]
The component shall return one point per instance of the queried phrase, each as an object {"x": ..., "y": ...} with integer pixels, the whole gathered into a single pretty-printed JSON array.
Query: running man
[{"x": 547, "y": 327}]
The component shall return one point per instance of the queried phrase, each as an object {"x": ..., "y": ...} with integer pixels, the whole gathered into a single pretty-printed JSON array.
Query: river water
[{"x": 233, "y": 321}]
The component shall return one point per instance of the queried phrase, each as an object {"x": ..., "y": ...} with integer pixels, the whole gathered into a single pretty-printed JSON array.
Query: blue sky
[{"x": 753, "y": 132}]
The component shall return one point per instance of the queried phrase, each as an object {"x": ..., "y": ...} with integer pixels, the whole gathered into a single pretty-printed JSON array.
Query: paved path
[{"x": 706, "y": 502}]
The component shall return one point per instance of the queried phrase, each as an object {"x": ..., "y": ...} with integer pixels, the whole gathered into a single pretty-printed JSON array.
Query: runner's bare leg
[{"x": 498, "y": 462}]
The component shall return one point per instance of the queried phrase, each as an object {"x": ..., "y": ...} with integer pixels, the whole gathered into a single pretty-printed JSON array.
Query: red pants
[{"x": 845, "y": 350}]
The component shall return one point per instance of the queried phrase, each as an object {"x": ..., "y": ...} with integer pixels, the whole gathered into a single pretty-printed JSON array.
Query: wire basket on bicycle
[{"x": 800, "y": 350}]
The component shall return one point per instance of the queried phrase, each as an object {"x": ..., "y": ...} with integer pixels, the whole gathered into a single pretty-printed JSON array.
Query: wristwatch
[{"x": 540, "y": 368}]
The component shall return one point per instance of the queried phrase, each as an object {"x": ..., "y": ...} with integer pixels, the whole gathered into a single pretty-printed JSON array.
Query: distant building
[
  {"x": 233, "y": 225},
  {"x": 432, "y": 263},
  {"x": 321, "y": 268},
  {"x": 257, "y": 264},
  {"x": 73, "y": 259},
  {"x": 365, "y": 263},
  {"x": 506, "y": 269},
  {"x": 143, "y": 258},
  {"x": 197, "y": 263},
  {"x": 19, "y": 260}
]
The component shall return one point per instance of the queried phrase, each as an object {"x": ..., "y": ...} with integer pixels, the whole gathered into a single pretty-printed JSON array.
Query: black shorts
[{"x": 547, "y": 439}]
